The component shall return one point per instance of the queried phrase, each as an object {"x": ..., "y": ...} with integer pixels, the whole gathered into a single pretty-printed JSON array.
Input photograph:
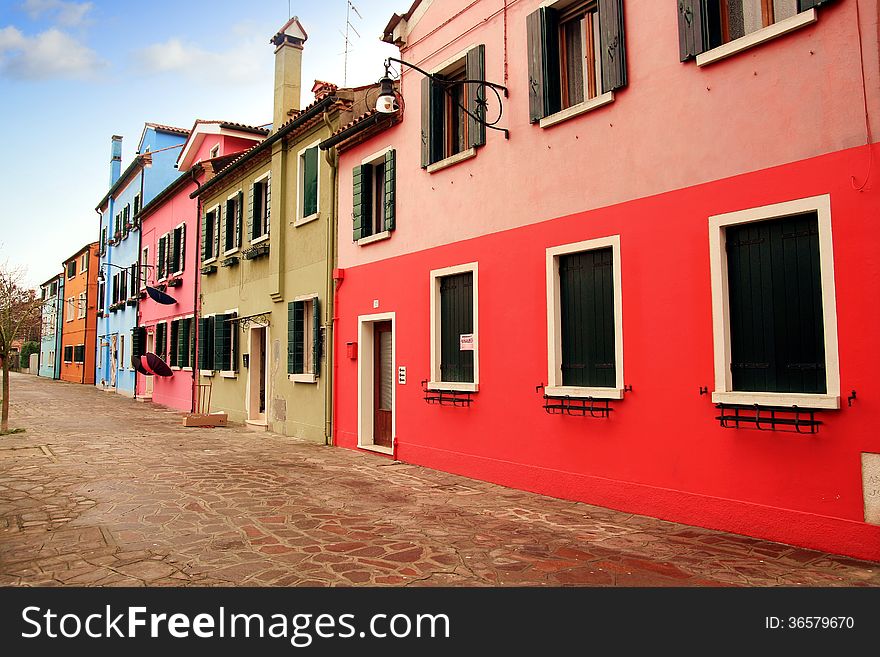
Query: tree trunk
[{"x": 4, "y": 422}]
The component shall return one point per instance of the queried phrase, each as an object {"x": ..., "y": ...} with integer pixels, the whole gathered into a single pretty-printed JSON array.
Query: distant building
[
  {"x": 52, "y": 293},
  {"x": 79, "y": 310}
]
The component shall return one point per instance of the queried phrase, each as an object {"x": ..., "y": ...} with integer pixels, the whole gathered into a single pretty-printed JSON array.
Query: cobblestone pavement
[{"x": 106, "y": 491}]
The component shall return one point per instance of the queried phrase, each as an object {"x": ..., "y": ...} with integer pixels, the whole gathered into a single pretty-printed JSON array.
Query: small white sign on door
[
  {"x": 401, "y": 376},
  {"x": 466, "y": 342}
]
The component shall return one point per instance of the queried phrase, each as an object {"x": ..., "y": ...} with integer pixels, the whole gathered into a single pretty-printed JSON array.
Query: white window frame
[
  {"x": 235, "y": 248},
  {"x": 84, "y": 263},
  {"x": 182, "y": 225},
  {"x": 300, "y": 186},
  {"x": 145, "y": 266},
  {"x": 216, "y": 211},
  {"x": 266, "y": 179},
  {"x": 214, "y": 152},
  {"x": 308, "y": 330},
  {"x": 166, "y": 273},
  {"x": 193, "y": 345},
  {"x": 724, "y": 392},
  {"x": 436, "y": 274},
  {"x": 120, "y": 350},
  {"x": 554, "y": 321}
]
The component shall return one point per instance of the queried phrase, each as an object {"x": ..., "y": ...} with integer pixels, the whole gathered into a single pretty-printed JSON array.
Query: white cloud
[
  {"x": 62, "y": 12},
  {"x": 49, "y": 55}
]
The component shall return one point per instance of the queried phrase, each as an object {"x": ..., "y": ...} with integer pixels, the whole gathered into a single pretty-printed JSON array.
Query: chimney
[
  {"x": 288, "y": 70},
  {"x": 115, "y": 158}
]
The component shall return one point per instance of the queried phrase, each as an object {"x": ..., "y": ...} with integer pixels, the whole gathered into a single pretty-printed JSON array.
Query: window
[
  {"x": 215, "y": 151},
  {"x": 126, "y": 218},
  {"x": 145, "y": 265},
  {"x": 181, "y": 342},
  {"x": 304, "y": 339},
  {"x": 210, "y": 232},
  {"x": 454, "y": 328},
  {"x": 162, "y": 258},
  {"x": 133, "y": 281},
  {"x": 79, "y": 353},
  {"x": 103, "y": 241},
  {"x": 137, "y": 206},
  {"x": 206, "y": 344},
  {"x": 84, "y": 262},
  {"x": 307, "y": 191},
  {"x": 71, "y": 269},
  {"x": 226, "y": 343},
  {"x": 178, "y": 249},
  {"x": 68, "y": 354},
  {"x": 232, "y": 232},
  {"x": 261, "y": 199},
  {"x": 774, "y": 314},
  {"x": 81, "y": 306},
  {"x": 447, "y": 129},
  {"x": 585, "y": 330},
  {"x": 374, "y": 196},
  {"x": 102, "y": 291},
  {"x": 707, "y": 24},
  {"x": 121, "y": 351},
  {"x": 161, "y": 339},
  {"x": 71, "y": 309},
  {"x": 577, "y": 57}
]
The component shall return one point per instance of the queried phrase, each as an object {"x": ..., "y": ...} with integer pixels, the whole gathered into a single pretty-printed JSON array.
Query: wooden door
[{"x": 383, "y": 383}]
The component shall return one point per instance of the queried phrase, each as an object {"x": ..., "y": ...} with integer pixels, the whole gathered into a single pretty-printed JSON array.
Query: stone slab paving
[{"x": 106, "y": 491}]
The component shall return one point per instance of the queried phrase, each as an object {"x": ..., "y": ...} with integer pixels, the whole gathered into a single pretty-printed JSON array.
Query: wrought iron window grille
[
  {"x": 768, "y": 418},
  {"x": 578, "y": 406},
  {"x": 461, "y": 398}
]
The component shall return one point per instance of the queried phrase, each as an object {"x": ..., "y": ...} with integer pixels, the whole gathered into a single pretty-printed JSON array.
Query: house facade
[
  {"x": 170, "y": 262},
  {"x": 78, "y": 316},
  {"x": 652, "y": 296},
  {"x": 267, "y": 243},
  {"x": 150, "y": 172},
  {"x": 51, "y": 316}
]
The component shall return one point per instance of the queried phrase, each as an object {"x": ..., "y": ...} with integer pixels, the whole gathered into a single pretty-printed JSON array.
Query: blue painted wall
[
  {"x": 148, "y": 182},
  {"x": 51, "y": 325}
]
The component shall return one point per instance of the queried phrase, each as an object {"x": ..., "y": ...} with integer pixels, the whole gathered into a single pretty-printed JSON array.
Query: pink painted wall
[
  {"x": 673, "y": 126},
  {"x": 227, "y": 143}
]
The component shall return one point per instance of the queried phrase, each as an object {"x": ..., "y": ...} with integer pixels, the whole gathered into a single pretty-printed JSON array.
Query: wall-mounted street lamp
[
  {"x": 388, "y": 101},
  {"x": 154, "y": 293}
]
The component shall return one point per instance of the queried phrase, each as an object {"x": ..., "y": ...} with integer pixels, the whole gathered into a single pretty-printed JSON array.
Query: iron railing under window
[
  {"x": 768, "y": 418},
  {"x": 462, "y": 398}
]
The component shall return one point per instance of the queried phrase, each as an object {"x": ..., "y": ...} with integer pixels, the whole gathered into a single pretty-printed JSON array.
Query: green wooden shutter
[
  {"x": 542, "y": 31},
  {"x": 173, "y": 353},
  {"x": 586, "y": 296},
  {"x": 182, "y": 343},
  {"x": 390, "y": 189},
  {"x": 233, "y": 332},
  {"x": 310, "y": 182},
  {"x": 160, "y": 259},
  {"x": 136, "y": 343},
  {"x": 297, "y": 346},
  {"x": 427, "y": 89},
  {"x": 362, "y": 192},
  {"x": 253, "y": 219},
  {"x": 238, "y": 218},
  {"x": 777, "y": 331},
  {"x": 218, "y": 223},
  {"x": 181, "y": 265},
  {"x": 204, "y": 230},
  {"x": 476, "y": 95},
  {"x": 803, "y": 5},
  {"x": 612, "y": 44},
  {"x": 161, "y": 339},
  {"x": 693, "y": 28},
  {"x": 206, "y": 343},
  {"x": 268, "y": 201},
  {"x": 169, "y": 253},
  {"x": 316, "y": 337},
  {"x": 222, "y": 344},
  {"x": 456, "y": 319}
]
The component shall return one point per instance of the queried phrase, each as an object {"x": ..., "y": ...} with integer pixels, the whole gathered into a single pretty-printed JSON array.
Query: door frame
[
  {"x": 366, "y": 382},
  {"x": 253, "y": 363}
]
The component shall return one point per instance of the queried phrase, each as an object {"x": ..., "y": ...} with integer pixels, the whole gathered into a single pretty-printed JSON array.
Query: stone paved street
[{"x": 106, "y": 491}]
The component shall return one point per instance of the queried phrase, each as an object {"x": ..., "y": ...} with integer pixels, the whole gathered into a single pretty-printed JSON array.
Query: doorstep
[
  {"x": 144, "y": 398},
  {"x": 257, "y": 425}
]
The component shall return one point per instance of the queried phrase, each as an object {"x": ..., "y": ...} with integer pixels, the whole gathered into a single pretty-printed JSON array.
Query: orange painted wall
[{"x": 75, "y": 330}]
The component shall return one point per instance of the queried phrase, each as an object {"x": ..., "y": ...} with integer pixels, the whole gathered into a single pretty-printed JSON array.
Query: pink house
[
  {"x": 658, "y": 295},
  {"x": 170, "y": 262}
]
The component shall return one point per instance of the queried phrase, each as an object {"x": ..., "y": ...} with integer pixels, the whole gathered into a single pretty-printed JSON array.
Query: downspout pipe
[
  {"x": 332, "y": 158},
  {"x": 97, "y": 301},
  {"x": 197, "y": 309},
  {"x": 137, "y": 312}
]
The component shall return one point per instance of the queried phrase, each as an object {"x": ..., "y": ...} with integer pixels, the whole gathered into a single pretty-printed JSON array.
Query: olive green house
[{"x": 268, "y": 225}]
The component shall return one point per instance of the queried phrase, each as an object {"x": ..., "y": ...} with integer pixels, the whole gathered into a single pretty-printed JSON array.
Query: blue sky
[{"x": 74, "y": 73}]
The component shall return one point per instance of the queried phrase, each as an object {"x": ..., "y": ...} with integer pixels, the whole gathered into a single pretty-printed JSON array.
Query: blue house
[
  {"x": 50, "y": 326},
  {"x": 119, "y": 276}
]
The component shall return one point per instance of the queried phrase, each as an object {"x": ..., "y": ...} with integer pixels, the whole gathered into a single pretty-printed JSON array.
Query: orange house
[{"x": 79, "y": 308}]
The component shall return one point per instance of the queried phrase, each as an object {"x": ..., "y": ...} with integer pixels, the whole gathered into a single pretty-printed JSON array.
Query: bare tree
[{"x": 19, "y": 305}]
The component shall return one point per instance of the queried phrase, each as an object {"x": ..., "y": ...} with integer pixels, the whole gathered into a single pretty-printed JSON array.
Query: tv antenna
[{"x": 349, "y": 28}]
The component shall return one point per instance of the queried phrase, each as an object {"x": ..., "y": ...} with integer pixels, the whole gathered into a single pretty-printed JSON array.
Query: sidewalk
[{"x": 105, "y": 491}]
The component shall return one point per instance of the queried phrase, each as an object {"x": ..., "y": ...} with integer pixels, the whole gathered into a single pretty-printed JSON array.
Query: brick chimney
[
  {"x": 288, "y": 70},
  {"x": 115, "y": 158}
]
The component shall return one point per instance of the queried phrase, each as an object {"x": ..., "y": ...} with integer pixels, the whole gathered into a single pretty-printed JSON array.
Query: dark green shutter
[
  {"x": 427, "y": 92},
  {"x": 169, "y": 253},
  {"x": 204, "y": 230},
  {"x": 456, "y": 319},
  {"x": 291, "y": 336},
  {"x": 232, "y": 330},
  {"x": 222, "y": 344},
  {"x": 161, "y": 339},
  {"x": 181, "y": 266},
  {"x": 693, "y": 28},
  {"x": 390, "y": 189},
  {"x": 316, "y": 337},
  {"x": 138, "y": 341},
  {"x": 362, "y": 188},
  {"x": 542, "y": 31},
  {"x": 268, "y": 204},
  {"x": 160, "y": 258},
  {"x": 803, "y": 5},
  {"x": 253, "y": 203},
  {"x": 206, "y": 343},
  {"x": 586, "y": 295},
  {"x": 173, "y": 352},
  {"x": 218, "y": 224},
  {"x": 777, "y": 334},
  {"x": 182, "y": 343},
  {"x": 612, "y": 44},
  {"x": 238, "y": 219},
  {"x": 476, "y": 95},
  {"x": 310, "y": 182},
  {"x": 296, "y": 337}
]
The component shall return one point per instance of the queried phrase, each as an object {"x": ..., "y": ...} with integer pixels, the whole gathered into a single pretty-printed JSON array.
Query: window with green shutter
[
  {"x": 456, "y": 321},
  {"x": 374, "y": 196},
  {"x": 162, "y": 258},
  {"x": 261, "y": 198},
  {"x": 576, "y": 51},
  {"x": 231, "y": 228},
  {"x": 304, "y": 345},
  {"x": 161, "y": 339},
  {"x": 174, "y": 346},
  {"x": 308, "y": 177},
  {"x": 225, "y": 343},
  {"x": 209, "y": 226},
  {"x": 206, "y": 343},
  {"x": 777, "y": 336}
]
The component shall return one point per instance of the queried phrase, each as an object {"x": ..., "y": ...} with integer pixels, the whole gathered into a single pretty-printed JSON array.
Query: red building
[{"x": 654, "y": 295}]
